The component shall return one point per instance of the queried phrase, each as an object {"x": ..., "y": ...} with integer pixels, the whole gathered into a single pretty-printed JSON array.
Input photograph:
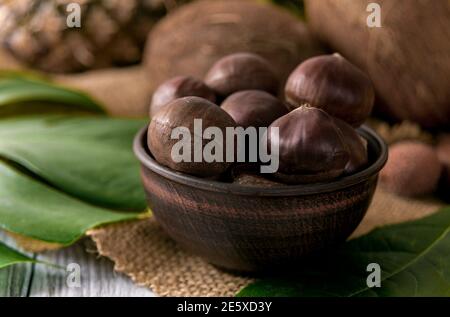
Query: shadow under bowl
[{"x": 255, "y": 229}]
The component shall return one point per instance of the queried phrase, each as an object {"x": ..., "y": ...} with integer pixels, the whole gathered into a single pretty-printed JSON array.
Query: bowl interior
[{"x": 377, "y": 149}]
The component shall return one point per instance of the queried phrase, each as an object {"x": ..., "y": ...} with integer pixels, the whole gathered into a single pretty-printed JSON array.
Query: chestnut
[
  {"x": 241, "y": 71},
  {"x": 177, "y": 87},
  {"x": 311, "y": 146},
  {"x": 170, "y": 125},
  {"x": 254, "y": 108},
  {"x": 357, "y": 147},
  {"x": 254, "y": 180},
  {"x": 332, "y": 83}
]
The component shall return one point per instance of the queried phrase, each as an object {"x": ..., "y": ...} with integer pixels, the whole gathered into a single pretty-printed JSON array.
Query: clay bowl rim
[{"x": 373, "y": 139}]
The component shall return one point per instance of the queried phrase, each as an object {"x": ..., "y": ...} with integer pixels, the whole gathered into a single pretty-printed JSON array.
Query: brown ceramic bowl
[{"x": 251, "y": 229}]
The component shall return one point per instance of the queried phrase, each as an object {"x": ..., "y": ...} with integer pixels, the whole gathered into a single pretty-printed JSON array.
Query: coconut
[
  {"x": 407, "y": 58},
  {"x": 190, "y": 40}
]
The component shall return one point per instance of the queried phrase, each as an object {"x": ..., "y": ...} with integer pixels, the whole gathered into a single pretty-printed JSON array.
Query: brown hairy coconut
[
  {"x": 192, "y": 39},
  {"x": 407, "y": 58}
]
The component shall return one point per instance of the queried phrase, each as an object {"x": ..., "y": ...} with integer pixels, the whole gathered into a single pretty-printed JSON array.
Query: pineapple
[{"x": 112, "y": 32}]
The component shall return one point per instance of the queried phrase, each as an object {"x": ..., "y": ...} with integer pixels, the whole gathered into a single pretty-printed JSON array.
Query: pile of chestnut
[{"x": 324, "y": 100}]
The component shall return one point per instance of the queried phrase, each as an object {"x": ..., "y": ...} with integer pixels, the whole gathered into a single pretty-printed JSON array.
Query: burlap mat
[{"x": 142, "y": 250}]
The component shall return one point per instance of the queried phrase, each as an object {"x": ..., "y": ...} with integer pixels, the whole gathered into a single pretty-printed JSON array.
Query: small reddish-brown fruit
[
  {"x": 332, "y": 83},
  {"x": 412, "y": 169},
  {"x": 178, "y": 87}
]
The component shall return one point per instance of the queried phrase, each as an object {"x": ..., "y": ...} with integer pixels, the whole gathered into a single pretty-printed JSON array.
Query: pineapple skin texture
[{"x": 112, "y": 32}]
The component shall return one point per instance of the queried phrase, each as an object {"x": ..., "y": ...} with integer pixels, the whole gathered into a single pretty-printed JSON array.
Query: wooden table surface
[{"x": 97, "y": 277}]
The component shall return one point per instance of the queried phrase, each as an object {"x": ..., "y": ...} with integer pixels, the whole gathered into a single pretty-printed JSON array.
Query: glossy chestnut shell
[
  {"x": 254, "y": 108},
  {"x": 332, "y": 83},
  {"x": 357, "y": 147},
  {"x": 311, "y": 147},
  {"x": 178, "y": 87},
  {"x": 241, "y": 71},
  {"x": 183, "y": 112}
]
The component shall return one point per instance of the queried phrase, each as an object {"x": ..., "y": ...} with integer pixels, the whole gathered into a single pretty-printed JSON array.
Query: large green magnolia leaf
[
  {"x": 88, "y": 157},
  {"x": 414, "y": 258},
  {"x": 9, "y": 256},
  {"x": 37, "y": 211},
  {"x": 17, "y": 89}
]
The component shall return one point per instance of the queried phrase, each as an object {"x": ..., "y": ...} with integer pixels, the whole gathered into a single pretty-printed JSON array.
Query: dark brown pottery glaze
[{"x": 251, "y": 229}]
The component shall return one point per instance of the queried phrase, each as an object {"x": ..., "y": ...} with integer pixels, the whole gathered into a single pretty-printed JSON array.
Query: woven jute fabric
[{"x": 141, "y": 250}]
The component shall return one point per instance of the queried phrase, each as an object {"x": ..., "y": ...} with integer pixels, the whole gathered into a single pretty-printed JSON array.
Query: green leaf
[
  {"x": 9, "y": 256},
  {"x": 35, "y": 210},
  {"x": 28, "y": 91},
  {"x": 295, "y": 6},
  {"x": 87, "y": 157},
  {"x": 414, "y": 258}
]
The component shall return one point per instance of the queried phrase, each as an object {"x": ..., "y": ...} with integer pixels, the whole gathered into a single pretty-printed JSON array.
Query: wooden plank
[
  {"x": 97, "y": 277},
  {"x": 15, "y": 280}
]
